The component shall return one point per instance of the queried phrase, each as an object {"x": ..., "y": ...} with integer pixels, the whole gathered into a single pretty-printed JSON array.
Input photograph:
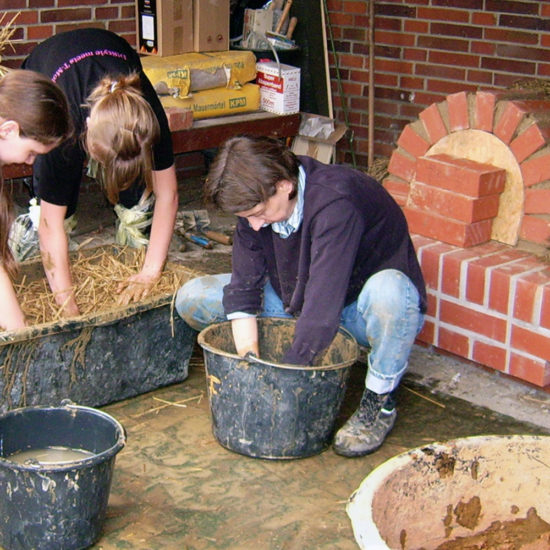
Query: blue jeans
[{"x": 385, "y": 317}]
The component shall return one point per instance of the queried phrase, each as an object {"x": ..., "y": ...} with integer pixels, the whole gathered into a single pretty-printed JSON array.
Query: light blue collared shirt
[{"x": 293, "y": 222}]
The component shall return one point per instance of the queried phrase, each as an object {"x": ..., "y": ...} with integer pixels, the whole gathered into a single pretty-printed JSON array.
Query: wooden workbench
[{"x": 210, "y": 132}]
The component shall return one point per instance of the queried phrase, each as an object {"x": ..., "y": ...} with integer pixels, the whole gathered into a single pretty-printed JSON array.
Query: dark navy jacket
[{"x": 351, "y": 229}]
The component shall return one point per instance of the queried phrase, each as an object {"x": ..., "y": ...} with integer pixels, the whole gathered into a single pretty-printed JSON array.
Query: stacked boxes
[{"x": 170, "y": 27}]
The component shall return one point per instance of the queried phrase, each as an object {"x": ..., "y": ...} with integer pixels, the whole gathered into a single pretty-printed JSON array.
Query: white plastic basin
[{"x": 445, "y": 496}]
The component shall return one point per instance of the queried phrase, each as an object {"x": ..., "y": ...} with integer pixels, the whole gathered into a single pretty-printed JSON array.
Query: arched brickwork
[
  {"x": 509, "y": 130},
  {"x": 488, "y": 297}
]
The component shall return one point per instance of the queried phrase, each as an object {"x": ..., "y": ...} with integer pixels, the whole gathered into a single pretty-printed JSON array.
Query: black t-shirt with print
[{"x": 77, "y": 60}]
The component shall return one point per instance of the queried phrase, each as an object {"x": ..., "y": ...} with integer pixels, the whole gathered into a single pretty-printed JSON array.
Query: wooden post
[
  {"x": 371, "y": 85},
  {"x": 327, "y": 67}
]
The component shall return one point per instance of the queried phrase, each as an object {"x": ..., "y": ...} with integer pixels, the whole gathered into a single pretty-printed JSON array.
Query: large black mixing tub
[{"x": 262, "y": 408}]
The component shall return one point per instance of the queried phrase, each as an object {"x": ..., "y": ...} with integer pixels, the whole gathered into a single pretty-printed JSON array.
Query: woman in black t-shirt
[{"x": 121, "y": 125}]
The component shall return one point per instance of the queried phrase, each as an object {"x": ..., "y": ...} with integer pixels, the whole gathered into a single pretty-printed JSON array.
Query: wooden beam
[{"x": 209, "y": 133}]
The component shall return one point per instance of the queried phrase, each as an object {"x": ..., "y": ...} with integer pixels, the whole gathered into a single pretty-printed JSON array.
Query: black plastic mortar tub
[
  {"x": 56, "y": 506},
  {"x": 265, "y": 409}
]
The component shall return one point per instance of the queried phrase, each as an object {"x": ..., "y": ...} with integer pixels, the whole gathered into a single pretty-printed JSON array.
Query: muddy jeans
[{"x": 385, "y": 317}]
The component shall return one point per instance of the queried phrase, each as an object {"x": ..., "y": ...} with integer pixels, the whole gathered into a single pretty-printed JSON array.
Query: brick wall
[
  {"x": 39, "y": 19},
  {"x": 424, "y": 50},
  {"x": 490, "y": 304}
]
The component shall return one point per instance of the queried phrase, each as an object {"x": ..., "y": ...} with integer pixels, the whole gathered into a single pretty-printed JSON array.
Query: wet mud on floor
[{"x": 175, "y": 487}]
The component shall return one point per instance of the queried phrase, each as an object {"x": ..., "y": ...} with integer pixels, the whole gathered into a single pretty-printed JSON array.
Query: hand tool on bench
[
  {"x": 277, "y": 38},
  {"x": 185, "y": 227},
  {"x": 284, "y": 16},
  {"x": 202, "y": 223}
]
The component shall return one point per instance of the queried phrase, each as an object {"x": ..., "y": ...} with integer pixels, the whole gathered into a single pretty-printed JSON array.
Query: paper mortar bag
[
  {"x": 218, "y": 101},
  {"x": 192, "y": 72}
]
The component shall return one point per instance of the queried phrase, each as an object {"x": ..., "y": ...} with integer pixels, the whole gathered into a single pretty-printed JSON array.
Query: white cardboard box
[{"x": 279, "y": 87}]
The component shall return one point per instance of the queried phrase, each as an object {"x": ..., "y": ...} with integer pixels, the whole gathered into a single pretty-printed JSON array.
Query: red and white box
[{"x": 279, "y": 87}]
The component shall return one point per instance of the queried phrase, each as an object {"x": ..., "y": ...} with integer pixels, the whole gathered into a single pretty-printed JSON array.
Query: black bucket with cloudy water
[{"x": 56, "y": 468}]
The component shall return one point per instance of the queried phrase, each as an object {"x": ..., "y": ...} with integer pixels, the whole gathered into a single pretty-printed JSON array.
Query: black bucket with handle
[
  {"x": 265, "y": 409},
  {"x": 56, "y": 503}
]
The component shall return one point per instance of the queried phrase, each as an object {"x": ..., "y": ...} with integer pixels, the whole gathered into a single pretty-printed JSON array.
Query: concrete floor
[{"x": 176, "y": 487}]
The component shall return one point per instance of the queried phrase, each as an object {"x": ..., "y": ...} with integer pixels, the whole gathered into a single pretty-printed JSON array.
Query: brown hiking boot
[{"x": 368, "y": 426}]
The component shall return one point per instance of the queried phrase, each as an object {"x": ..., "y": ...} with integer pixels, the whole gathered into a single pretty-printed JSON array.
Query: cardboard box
[
  {"x": 210, "y": 25},
  {"x": 279, "y": 87},
  {"x": 164, "y": 27},
  {"x": 260, "y": 21},
  {"x": 320, "y": 145}
]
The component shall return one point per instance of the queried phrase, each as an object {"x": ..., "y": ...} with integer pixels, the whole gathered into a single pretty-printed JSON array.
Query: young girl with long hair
[
  {"x": 125, "y": 131},
  {"x": 34, "y": 118}
]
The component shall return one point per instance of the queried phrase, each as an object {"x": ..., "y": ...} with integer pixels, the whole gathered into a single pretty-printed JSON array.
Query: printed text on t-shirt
[{"x": 77, "y": 58}]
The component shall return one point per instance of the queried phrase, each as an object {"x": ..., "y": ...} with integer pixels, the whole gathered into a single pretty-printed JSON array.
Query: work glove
[{"x": 132, "y": 222}]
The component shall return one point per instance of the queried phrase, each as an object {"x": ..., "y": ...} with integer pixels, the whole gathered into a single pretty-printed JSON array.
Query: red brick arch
[
  {"x": 510, "y": 130},
  {"x": 489, "y": 297}
]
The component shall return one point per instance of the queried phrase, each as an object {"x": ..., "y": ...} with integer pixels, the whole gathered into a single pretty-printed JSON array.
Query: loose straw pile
[
  {"x": 536, "y": 85},
  {"x": 6, "y": 32},
  {"x": 378, "y": 169},
  {"x": 95, "y": 278}
]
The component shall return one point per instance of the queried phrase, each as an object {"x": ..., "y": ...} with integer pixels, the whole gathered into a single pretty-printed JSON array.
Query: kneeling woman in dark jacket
[{"x": 325, "y": 244}]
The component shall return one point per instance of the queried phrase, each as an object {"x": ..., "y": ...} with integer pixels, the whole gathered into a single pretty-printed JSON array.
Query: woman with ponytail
[
  {"x": 127, "y": 145},
  {"x": 34, "y": 118}
]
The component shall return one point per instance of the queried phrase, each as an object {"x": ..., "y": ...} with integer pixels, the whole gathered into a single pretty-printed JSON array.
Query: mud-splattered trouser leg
[
  {"x": 199, "y": 301},
  {"x": 386, "y": 316}
]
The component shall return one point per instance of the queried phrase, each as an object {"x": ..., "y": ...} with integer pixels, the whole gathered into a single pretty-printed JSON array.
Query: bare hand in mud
[
  {"x": 66, "y": 301},
  {"x": 70, "y": 310},
  {"x": 135, "y": 288}
]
